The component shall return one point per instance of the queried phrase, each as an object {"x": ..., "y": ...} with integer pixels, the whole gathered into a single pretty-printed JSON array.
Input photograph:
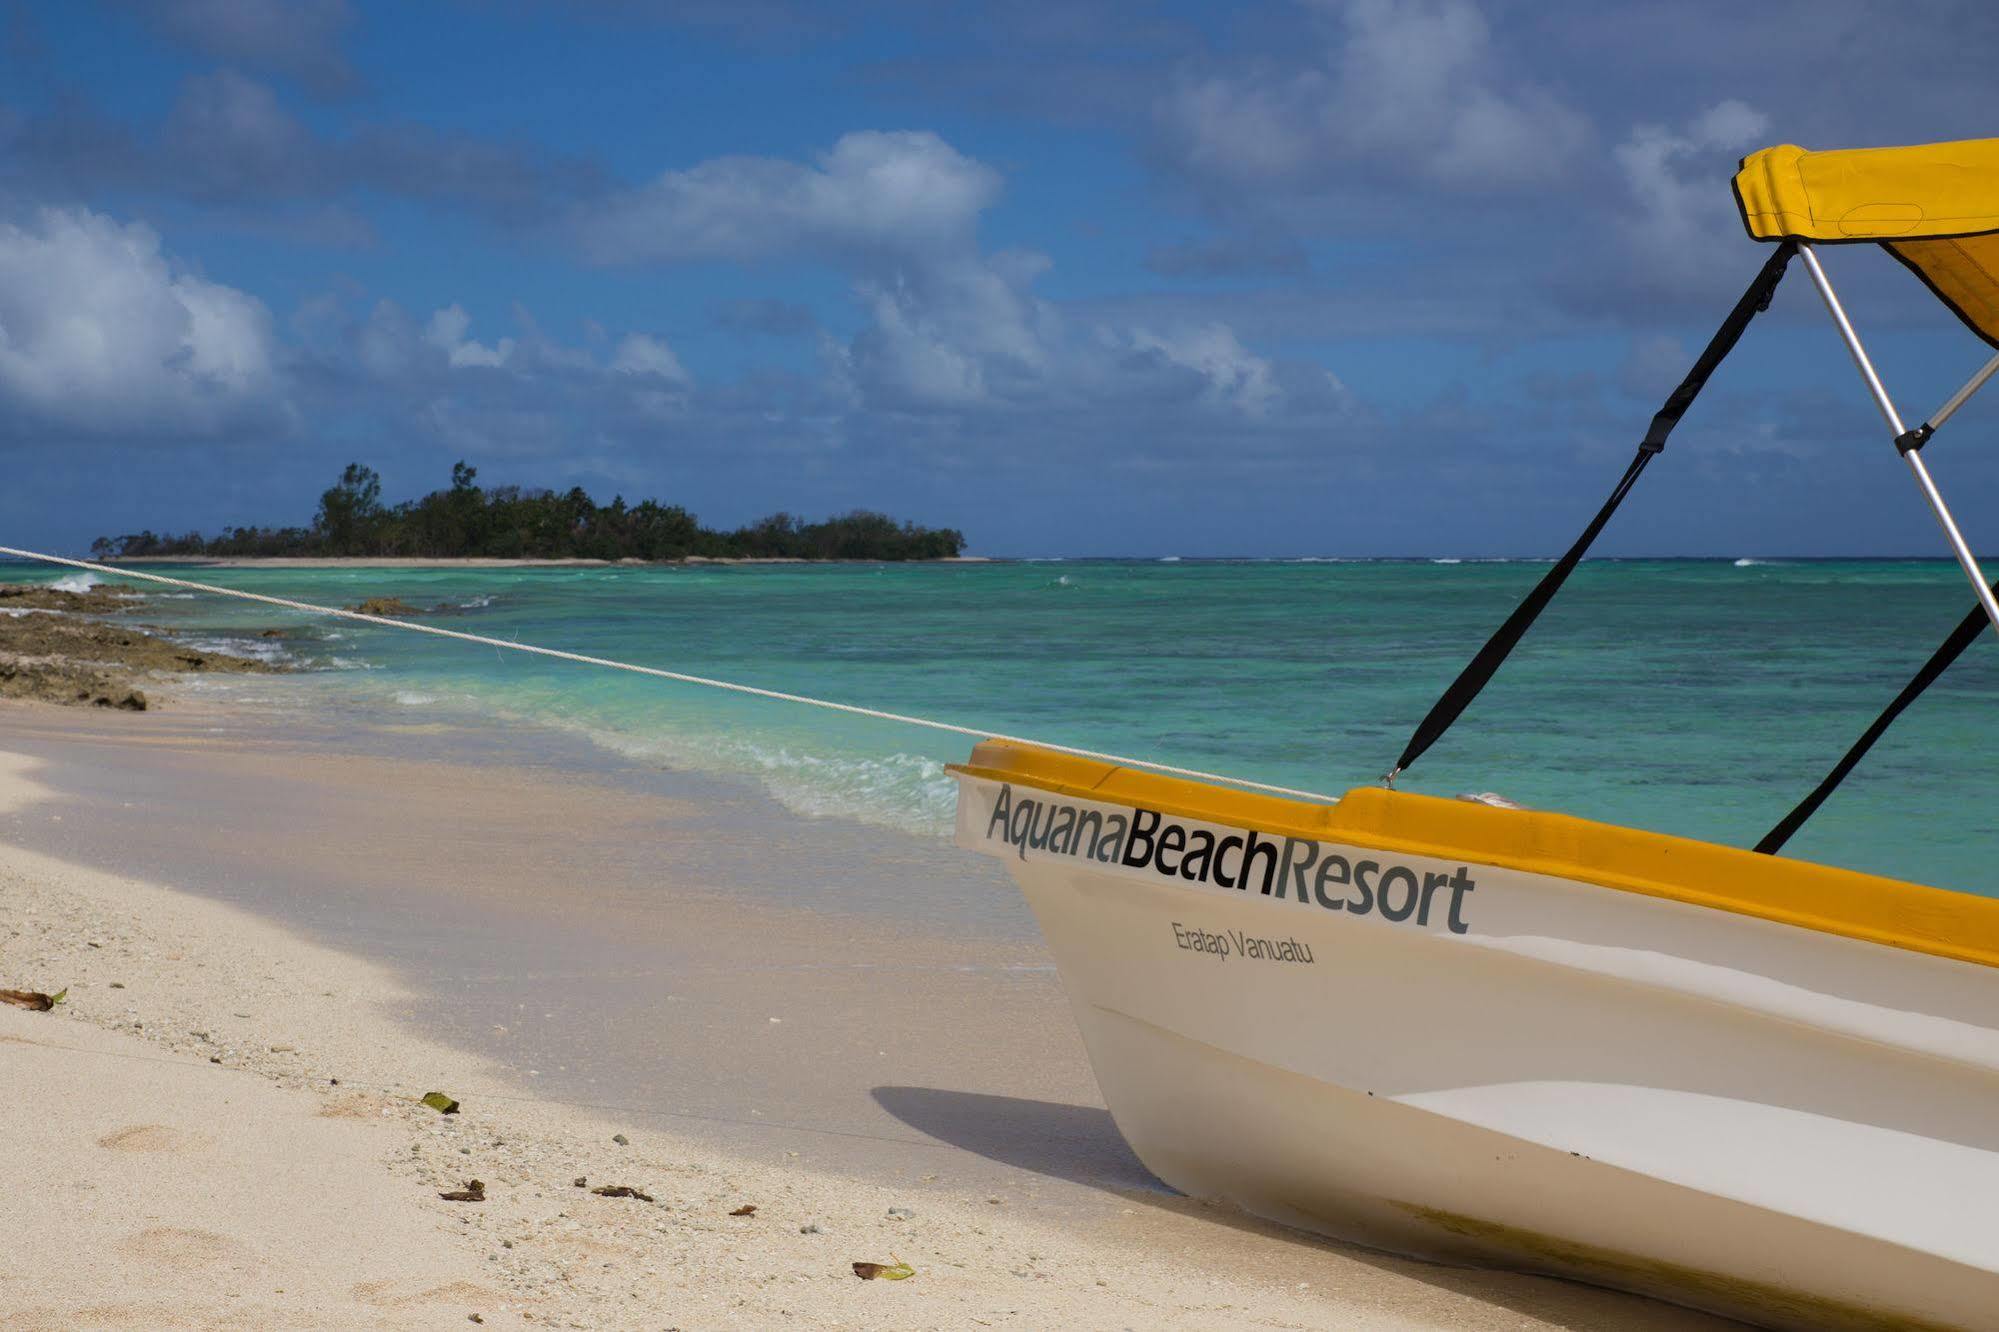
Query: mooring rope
[{"x": 680, "y": 677}]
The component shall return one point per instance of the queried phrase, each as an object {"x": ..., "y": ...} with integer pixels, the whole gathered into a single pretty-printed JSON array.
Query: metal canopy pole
[
  {"x": 1911, "y": 454},
  {"x": 1963, "y": 395}
]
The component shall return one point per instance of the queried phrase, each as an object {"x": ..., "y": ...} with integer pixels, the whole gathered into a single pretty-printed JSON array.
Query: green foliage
[
  {"x": 508, "y": 522},
  {"x": 351, "y": 510}
]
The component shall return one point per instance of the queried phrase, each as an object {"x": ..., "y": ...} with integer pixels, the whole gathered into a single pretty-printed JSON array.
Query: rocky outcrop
[
  {"x": 48, "y": 652},
  {"x": 385, "y": 606},
  {"x": 69, "y": 683},
  {"x": 98, "y": 600}
]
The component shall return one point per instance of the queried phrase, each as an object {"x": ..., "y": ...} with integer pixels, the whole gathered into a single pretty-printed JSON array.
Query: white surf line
[{"x": 775, "y": 695}]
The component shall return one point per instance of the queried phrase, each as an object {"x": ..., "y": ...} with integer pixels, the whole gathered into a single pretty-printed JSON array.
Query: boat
[
  {"x": 1482, "y": 1034},
  {"x": 1476, "y": 1033}
]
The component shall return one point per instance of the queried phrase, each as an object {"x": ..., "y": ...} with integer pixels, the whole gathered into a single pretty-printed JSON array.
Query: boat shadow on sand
[{"x": 1081, "y": 1144}]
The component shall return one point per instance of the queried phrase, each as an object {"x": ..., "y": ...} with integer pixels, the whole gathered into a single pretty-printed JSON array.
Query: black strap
[
  {"x": 1479, "y": 671},
  {"x": 1968, "y": 629}
]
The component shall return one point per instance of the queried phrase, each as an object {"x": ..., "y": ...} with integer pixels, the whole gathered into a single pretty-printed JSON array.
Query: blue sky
[{"x": 1343, "y": 277}]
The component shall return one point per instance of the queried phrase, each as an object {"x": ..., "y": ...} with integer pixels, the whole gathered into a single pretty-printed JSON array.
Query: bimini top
[{"x": 1934, "y": 206}]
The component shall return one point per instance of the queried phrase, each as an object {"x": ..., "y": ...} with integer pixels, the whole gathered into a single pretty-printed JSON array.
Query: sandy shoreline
[{"x": 228, "y": 1182}]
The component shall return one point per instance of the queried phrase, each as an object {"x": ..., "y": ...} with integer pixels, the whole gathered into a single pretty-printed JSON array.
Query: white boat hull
[{"x": 1774, "y": 1123}]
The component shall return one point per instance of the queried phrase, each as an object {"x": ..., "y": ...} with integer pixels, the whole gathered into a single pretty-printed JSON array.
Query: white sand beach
[{"x": 219, "y": 1126}]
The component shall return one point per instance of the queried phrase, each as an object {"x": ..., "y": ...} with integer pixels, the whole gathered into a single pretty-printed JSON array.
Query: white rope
[{"x": 678, "y": 676}]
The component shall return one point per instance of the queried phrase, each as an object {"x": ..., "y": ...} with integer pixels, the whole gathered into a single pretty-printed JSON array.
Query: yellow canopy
[{"x": 1934, "y": 206}]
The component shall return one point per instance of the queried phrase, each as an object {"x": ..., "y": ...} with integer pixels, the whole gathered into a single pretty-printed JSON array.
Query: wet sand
[{"x": 813, "y": 1009}]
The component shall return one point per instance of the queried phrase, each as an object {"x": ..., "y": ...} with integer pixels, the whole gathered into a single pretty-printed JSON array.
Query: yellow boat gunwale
[{"x": 1890, "y": 912}]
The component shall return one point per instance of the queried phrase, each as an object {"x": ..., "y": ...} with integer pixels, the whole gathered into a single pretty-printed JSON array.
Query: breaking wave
[
  {"x": 908, "y": 792},
  {"x": 267, "y": 650}
]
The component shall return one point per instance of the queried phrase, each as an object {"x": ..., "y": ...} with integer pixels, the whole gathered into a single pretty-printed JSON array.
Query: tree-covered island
[{"x": 510, "y": 522}]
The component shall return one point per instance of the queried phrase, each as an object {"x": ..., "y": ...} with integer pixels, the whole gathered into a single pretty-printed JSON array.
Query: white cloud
[
  {"x": 947, "y": 325},
  {"x": 389, "y": 345},
  {"x": 100, "y": 332},
  {"x": 517, "y": 395},
  {"x": 908, "y": 354},
  {"x": 948, "y": 328},
  {"x": 642, "y": 354},
  {"x": 872, "y": 191},
  {"x": 1676, "y": 179},
  {"x": 1413, "y": 89},
  {"x": 447, "y": 333},
  {"x": 958, "y": 329},
  {"x": 1232, "y": 376}
]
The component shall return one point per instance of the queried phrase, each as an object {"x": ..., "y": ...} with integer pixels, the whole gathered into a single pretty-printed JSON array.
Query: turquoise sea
[{"x": 1694, "y": 697}]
